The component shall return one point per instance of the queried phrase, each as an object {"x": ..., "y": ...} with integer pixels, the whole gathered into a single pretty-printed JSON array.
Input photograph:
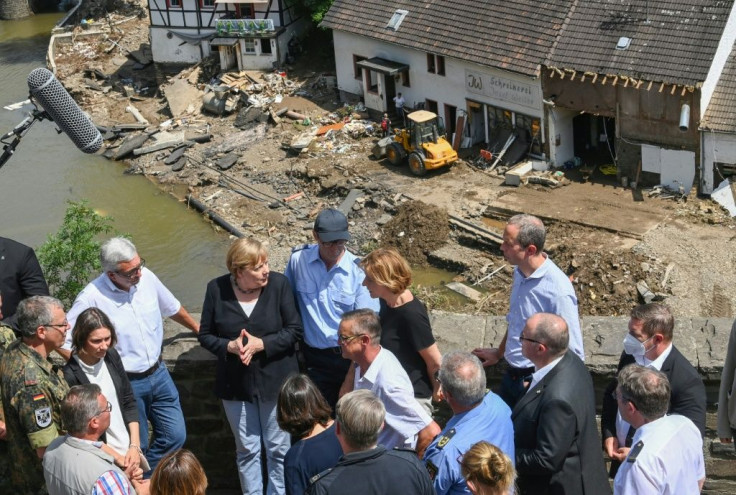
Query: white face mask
[{"x": 635, "y": 348}]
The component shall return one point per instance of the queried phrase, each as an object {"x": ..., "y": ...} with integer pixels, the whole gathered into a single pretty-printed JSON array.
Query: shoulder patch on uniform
[
  {"x": 635, "y": 451},
  {"x": 445, "y": 439},
  {"x": 43, "y": 416},
  {"x": 317, "y": 477},
  {"x": 299, "y": 248},
  {"x": 431, "y": 469}
]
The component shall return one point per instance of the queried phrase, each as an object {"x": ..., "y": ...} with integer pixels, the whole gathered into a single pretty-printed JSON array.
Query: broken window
[
  {"x": 249, "y": 46},
  {"x": 396, "y": 19},
  {"x": 431, "y": 67},
  {"x": 431, "y": 105},
  {"x": 405, "y": 79},
  {"x": 207, "y": 4},
  {"x": 266, "y": 47},
  {"x": 244, "y": 11},
  {"x": 436, "y": 64},
  {"x": 358, "y": 70},
  {"x": 373, "y": 82},
  {"x": 175, "y": 4}
]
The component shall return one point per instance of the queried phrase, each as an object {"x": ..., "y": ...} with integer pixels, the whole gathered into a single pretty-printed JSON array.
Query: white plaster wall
[
  {"x": 560, "y": 124},
  {"x": 172, "y": 50},
  {"x": 719, "y": 148},
  {"x": 719, "y": 60},
  {"x": 449, "y": 89}
]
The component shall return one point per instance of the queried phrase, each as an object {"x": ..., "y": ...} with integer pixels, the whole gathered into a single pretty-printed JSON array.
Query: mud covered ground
[{"x": 683, "y": 253}]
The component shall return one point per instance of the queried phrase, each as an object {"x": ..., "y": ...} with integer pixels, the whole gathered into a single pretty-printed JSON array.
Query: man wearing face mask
[{"x": 649, "y": 343}]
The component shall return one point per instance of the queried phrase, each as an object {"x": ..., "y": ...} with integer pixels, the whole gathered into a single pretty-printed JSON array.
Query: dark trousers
[
  {"x": 514, "y": 383},
  {"x": 327, "y": 369}
]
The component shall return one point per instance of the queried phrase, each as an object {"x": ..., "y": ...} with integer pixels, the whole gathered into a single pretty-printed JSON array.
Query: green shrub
[{"x": 70, "y": 258}]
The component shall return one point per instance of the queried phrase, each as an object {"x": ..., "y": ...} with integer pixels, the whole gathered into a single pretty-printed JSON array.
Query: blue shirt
[
  {"x": 547, "y": 290},
  {"x": 489, "y": 421},
  {"x": 323, "y": 296}
]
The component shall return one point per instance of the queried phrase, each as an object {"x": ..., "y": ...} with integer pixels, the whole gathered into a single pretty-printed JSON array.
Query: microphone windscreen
[{"x": 62, "y": 108}]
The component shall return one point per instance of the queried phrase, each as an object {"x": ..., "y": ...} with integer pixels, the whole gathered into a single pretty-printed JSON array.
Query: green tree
[
  {"x": 71, "y": 256},
  {"x": 317, "y": 8}
]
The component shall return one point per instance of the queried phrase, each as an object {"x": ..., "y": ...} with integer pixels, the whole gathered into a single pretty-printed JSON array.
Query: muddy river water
[{"x": 47, "y": 170}]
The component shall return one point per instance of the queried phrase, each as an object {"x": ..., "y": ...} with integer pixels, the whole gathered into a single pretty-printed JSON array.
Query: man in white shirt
[
  {"x": 136, "y": 302},
  {"x": 666, "y": 456},
  {"x": 76, "y": 463},
  {"x": 649, "y": 342},
  {"x": 377, "y": 369}
]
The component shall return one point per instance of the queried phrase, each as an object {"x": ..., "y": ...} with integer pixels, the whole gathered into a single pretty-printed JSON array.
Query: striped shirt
[{"x": 112, "y": 483}]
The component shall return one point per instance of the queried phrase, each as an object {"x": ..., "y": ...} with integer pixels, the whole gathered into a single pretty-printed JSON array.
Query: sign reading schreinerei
[{"x": 502, "y": 88}]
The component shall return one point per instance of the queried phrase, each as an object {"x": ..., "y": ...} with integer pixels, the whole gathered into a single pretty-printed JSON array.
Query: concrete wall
[
  {"x": 717, "y": 147},
  {"x": 702, "y": 340}
]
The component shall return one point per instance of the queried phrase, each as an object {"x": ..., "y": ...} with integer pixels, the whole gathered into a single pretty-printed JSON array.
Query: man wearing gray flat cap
[{"x": 327, "y": 282}]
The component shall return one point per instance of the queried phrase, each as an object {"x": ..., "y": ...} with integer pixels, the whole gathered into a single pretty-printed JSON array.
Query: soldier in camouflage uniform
[
  {"x": 32, "y": 390},
  {"x": 6, "y": 337}
]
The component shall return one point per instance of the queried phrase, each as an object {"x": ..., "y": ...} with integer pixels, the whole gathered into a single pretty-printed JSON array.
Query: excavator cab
[{"x": 421, "y": 143}]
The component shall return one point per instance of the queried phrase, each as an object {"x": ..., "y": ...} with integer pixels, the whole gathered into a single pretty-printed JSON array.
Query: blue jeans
[
  {"x": 158, "y": 402},
  {"x": 251, "y": 422},
  {"x": 513, "y": 387}
]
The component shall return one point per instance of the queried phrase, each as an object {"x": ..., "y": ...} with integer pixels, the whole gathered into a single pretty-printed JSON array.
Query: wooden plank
[
  {"x": 459, "y": 127},
  {"x": 464, "y": 290}
]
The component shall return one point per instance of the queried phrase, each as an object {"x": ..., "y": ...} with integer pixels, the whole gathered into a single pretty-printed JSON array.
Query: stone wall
[
  {"x": 14, "y": 9},
  {"x": 702, "y": 340}
]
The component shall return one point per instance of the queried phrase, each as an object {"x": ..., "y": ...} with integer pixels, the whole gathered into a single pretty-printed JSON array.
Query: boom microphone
[{"x": 57, "y": 102}]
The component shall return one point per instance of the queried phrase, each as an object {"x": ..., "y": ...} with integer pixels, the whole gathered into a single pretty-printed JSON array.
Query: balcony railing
[{"x": 243, "y": 28}]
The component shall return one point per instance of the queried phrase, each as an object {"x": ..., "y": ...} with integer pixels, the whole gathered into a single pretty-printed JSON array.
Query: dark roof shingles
[
  {"x": 676, "y": 45},
  {"x": 514, "y": 35},
  {"x": 721, "y": 112}
]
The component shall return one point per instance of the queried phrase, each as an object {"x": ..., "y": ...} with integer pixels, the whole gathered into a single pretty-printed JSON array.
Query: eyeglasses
[
  {"x": 339, "y": 243},
  {"x": 618, "y": 395},
  {"x": 107, "y": 409},
  {"x": 131, "y": 273},
  {"x": 521, "y": 338},
  {"x": 348, "y": 338},
  {"x": 56, "y": 326}
]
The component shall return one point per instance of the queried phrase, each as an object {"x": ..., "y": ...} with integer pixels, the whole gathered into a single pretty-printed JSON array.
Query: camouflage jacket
[
  {"x": 6, "y": 337},
  {"x": 32, "y": 391}
]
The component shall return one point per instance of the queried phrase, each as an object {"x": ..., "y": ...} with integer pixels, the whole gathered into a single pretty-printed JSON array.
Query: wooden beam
[
  {"x": 674, "y": 87},
  {"x": 595, "y": 77},
  {"x": 661, "y": 87},
  {"x": 615, "y": 80},
  {"x": 650, "y": 86},
  {"x": 603, "y": 82}
]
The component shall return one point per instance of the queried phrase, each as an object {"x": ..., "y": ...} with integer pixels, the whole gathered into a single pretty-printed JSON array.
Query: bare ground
[{"x": 605, "y": 237}]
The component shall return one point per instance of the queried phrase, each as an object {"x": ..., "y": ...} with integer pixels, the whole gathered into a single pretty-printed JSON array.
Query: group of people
[{"x": 328, "y": 373}]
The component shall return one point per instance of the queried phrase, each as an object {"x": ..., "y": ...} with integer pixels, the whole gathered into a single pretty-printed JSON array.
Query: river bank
[{"x": 244, "y": 166}]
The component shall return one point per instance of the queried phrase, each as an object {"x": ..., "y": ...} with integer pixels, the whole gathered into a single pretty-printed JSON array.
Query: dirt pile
[{"x": 416, "y": 230}]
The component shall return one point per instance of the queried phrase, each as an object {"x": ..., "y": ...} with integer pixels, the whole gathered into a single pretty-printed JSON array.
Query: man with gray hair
[
  {"x": 407, "y": 423},
  {"x": 78, "y": 462},
  {"x": 667, "y": 454},
  {"x": 32, "y": 389},
  {"x": 539, "y": 286},
  {"x": 136, "y": 302},
  {"x": 367, "y": 468},
  {"x": 477, "y": 415},
  {"x": 555, "y": 434}
]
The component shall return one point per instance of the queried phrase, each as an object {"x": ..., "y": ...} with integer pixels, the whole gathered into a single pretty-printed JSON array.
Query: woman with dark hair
[
  {"x": 251, "y": 323},
  {"x": 178, "y": 473},
  {"x": 94, "y": 360},
  {"x": 304, "y": 413}
]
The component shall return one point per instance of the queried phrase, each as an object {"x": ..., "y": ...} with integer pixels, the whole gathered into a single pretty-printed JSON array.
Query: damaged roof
[
  {"x": 721, "y": 112},
  {"x": 513, "y": 35},
  {"x": 672, "y": 41}
]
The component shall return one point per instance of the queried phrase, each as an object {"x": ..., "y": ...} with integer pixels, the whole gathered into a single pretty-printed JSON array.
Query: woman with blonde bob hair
[
  {"x": 487, "y": 470},
  {"x": 251, "y": 323},
  {"x": 178, "y": 473},
  {"x": 405, "y": 328}
]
